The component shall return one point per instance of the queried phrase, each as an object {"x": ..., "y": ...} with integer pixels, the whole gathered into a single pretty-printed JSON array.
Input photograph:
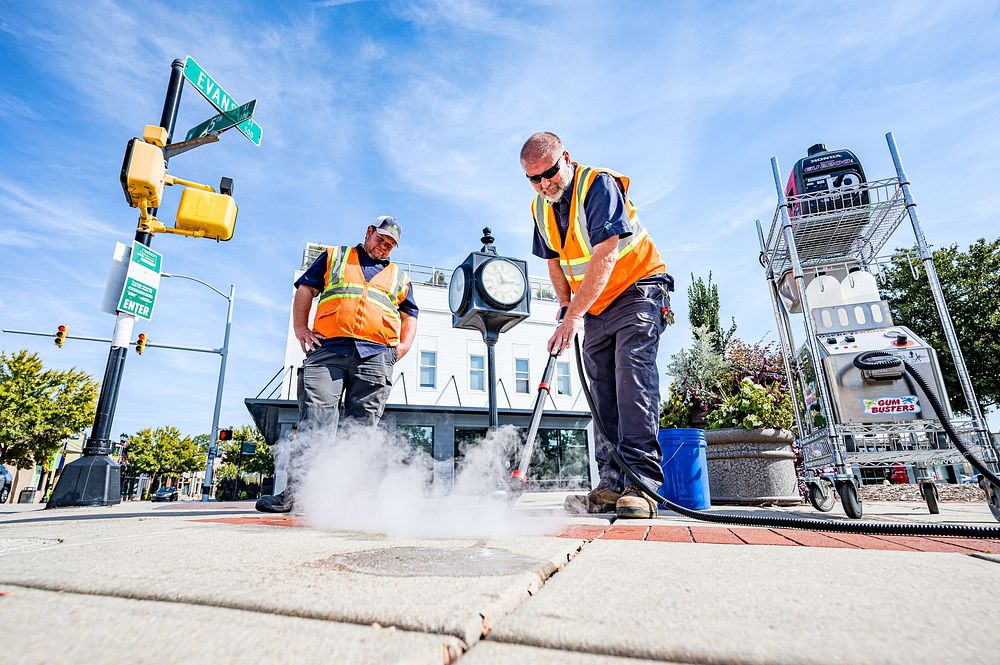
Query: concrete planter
[{"x": 752, "y": 467}]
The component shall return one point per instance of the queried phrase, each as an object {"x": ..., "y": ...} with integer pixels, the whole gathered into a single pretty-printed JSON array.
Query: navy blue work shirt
[
  {"x": 606, "y": 215},
  {"x": 315, "y": 277}
]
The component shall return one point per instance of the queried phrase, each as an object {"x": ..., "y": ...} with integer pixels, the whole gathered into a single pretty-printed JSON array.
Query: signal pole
[{"x": 95, "y": 478}]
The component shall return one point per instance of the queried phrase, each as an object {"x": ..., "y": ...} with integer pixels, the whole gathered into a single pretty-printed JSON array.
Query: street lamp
[{"x": 206, "y": 488}]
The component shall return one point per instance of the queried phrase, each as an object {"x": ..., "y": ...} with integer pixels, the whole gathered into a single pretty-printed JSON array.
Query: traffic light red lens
[{"x": 62, "y": 328}]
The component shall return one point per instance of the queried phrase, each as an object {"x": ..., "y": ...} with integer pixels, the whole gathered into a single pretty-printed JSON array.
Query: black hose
[
  {"x": 874, "y": 360},
  {"x": 786, "y": 521}
]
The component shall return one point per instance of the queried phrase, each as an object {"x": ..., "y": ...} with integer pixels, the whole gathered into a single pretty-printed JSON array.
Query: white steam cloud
[{"x": 364, "y": 479}]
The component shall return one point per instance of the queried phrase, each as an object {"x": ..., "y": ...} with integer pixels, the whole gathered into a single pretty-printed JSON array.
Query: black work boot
[{"x": 278, "y": 503}]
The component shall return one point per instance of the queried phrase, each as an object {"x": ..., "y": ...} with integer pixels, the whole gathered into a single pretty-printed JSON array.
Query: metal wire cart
[{"x": 827, "y": 234}]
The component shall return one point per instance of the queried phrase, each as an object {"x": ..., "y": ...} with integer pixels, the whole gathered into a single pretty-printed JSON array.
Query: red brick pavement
[{"x": 716, "y": 536}]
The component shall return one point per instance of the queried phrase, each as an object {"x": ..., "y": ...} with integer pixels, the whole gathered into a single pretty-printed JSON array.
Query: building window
[
  {"x": 420, "y": 437},
  {"x": 521, "y": 375},
  {"x": 563, "y": 386},
  {"x": 560, "y": 460},
  {"x": 465, "y": 439},
  {"x": 428, "y": 369},
  {"x": 477, "y": 372}
]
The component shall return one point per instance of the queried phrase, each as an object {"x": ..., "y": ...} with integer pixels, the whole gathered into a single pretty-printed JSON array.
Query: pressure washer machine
[{"x": 869, "y": 394}]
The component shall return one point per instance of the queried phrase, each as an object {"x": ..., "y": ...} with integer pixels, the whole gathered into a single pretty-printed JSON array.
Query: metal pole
[
  {"x": 491, "y": 369},
  {"x": 826, "y": 404},
  {"x": 786, "y": 348},
  {"x": 206, "y": 487},
  {"x": 94, "y": 479},
  {"x": 951, "y": 337}
]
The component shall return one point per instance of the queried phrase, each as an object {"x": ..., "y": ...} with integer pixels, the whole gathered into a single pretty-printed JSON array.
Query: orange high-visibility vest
[
  {"x": 637, "y": 255},
  {"x": 351, "y": 307}
]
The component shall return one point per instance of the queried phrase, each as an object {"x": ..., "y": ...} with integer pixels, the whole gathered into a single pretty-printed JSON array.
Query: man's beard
[{"x": 562, "y": 189}]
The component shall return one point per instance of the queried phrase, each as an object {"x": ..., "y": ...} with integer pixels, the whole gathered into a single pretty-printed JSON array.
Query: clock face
[
  {"x": 502, "y": 283},
  {"x": 457, "y": 290}
]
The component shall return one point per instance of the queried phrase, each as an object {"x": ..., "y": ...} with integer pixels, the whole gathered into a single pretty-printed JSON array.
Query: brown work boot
[
  {"x": 634, "y": 504},
  {"x": 601, "y": 500}
]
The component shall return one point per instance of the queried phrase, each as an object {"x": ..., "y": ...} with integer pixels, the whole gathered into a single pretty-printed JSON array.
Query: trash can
[
  {"x": 27, "y": 495},
  {"x": 685, "y": 467}
]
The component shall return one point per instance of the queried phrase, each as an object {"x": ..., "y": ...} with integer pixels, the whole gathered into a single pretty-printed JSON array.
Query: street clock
[{"x": 489, "y": 293}]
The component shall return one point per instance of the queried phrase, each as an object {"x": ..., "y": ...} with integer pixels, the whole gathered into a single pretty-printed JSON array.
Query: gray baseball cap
[{"x": 388, "y": 226}]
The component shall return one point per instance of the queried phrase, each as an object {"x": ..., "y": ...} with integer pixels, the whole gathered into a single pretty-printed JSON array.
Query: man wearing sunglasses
[
  {"x": 613, "y": 283},
  {"x": 366, "y": 320}
]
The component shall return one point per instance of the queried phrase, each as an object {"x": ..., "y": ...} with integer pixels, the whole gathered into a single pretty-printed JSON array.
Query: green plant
[
  {"x": 676, "y": 410},
  {"x": 703, "y": 312},
  {"x": 753, "y": 406}
]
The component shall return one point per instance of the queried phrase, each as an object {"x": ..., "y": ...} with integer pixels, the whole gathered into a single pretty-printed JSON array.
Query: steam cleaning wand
[{"x": 519, "y": 477}]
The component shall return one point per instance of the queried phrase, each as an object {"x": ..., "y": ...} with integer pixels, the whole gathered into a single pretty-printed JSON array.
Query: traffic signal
[
  {"x": 206, "y": 214},
  {"x": 140, "y": 343},
  {"x": 226, "y": 434},
  {"x": 60, "y": 336}
]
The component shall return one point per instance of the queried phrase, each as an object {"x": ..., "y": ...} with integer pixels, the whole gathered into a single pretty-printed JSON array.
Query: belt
[{"x": 655, "y": 280}]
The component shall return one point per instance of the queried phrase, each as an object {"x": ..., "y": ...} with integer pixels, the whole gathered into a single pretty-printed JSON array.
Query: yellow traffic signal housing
[
  {"x": 143, "y": 173},
  {"x": 60, "y": 336},
  {"x": 156, "y": 135},
  {"x": 140, "y": 343},
  {"x": 206, "y": 214}
]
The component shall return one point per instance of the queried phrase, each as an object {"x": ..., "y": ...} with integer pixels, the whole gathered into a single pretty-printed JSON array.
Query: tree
[
  {"x": 163, "y": 451},
  {"x": 970, "y": 281},
  {"x": 40, "y": 407},
  {"x": 703, "y": 311},
  {"x": 260, "y": 462}
]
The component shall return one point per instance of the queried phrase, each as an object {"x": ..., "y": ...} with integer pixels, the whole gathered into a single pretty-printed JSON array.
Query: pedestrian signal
[
  {"x": 60, "y": 336},
  {"x": 140, "y": 343},
  {"x": 226, "y": 434}
]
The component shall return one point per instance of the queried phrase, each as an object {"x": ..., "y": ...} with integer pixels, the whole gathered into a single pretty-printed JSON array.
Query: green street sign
[
  {"x": 141, "y": 282},
  {"x": 222, "y": 122},
  {"x": 219, "y": 98}
]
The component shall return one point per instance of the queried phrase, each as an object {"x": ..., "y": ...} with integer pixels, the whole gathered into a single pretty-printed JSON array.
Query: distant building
[{"x": 439, "y": 395}]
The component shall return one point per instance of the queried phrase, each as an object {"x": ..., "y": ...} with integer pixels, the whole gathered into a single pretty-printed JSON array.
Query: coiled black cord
[{"x": 787, "y": 521}]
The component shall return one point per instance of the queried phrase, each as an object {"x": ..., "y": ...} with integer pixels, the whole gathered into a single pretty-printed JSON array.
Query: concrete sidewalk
[{"x": 222, "y": 583}]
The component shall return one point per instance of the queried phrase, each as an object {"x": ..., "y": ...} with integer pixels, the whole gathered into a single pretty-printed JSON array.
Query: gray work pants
[
  {"x": 364, "y": 383},
  {"x": 619, "y": 354}
]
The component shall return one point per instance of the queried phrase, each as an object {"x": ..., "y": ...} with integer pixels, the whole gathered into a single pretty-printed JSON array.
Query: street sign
[
  {"x": 222, "y": 122},
  {"x": 219, "y": 98},
  {"x": 248, "y": 448},
  {"x": 141, "y": 282}
]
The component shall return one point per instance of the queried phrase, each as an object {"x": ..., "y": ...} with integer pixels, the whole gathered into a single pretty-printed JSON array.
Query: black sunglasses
[{"x": 547, "y": 174}]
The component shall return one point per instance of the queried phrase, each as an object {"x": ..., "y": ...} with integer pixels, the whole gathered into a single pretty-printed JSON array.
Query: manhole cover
[{"x": 434, "y": 562}]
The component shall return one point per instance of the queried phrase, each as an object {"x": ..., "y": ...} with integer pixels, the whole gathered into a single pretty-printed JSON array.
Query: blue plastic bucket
[{"x": 685, "y": 467}]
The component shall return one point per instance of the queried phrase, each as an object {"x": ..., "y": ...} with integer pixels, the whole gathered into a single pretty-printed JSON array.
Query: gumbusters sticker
[{"x": 887, "y": 405}]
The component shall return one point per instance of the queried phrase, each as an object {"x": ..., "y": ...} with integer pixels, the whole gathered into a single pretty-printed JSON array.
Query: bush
[
  {"x": 745, "y": 386},
  {"x": 753, "y": 406}
]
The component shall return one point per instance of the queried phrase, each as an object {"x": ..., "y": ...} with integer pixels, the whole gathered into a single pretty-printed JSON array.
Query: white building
[{"x": 439, "y": 396}]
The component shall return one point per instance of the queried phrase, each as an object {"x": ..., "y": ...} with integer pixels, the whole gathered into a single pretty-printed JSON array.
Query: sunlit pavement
[{"x": 227, "y": 584}]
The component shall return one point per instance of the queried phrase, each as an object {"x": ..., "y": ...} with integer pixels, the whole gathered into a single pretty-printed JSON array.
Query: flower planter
[{"x": 752, "y": 467}]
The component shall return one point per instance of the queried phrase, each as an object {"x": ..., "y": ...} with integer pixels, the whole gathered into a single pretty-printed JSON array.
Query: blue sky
[{"x": 418, "y": 109}]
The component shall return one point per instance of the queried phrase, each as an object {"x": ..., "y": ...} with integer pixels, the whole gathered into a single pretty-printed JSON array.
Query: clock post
[{"x": 489, "y": 293}]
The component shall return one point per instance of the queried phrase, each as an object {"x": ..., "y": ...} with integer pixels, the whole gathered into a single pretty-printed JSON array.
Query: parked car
[
  {"x": 165, "y": 494},
  {"x": 6, "y": 483}
]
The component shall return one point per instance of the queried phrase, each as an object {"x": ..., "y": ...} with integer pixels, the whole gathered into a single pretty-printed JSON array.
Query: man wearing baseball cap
[{"x": 366, "y": 320}]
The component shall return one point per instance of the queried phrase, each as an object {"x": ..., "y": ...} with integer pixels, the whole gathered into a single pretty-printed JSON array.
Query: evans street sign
[
  {"x": 141, "y": 282},
  {"x": 219, "y": 98}
]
